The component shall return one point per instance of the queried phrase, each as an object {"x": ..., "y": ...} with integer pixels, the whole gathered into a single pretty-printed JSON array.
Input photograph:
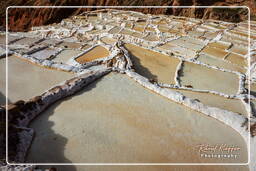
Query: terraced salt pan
[
  {"x": 150, "y": 29},
  {"x": 204, "y": 78},
  {"x": 164, "y": 29},
  {"x": 189, "y": 43},
  {"x": 215, "y": 52},
  {"x": 50, "y": 42},
  {"x": 109, "y": 125},
  {"x": 85, "y": 47},
  {"x": 66, "y": 55},
  {"x": 175, "y": 31},
  {"x": 127, "y": 32},
  {"x": 235, "y": 40},
  {"x": 182, "y": 51},
  {"x": 138, "y": 28},
  {"x": 26, "y": 80},
  {"x": 136, "y": 34},
  {"x": 96, "y": 32},
  {"x": 236, "y": 59},
  {"x": 217, "y": 101},
  {"x": 151, "y": 37},
  {"x": 220, "y": 63},
  {"x": 95, "y": 53},
  {"x": 45, "y": 54},
  {"x": 70, "y": 45},
  {"x": 114, "y": 30},
  {"x": 27, "y": 41},
  {"x": 219, "y": 45},
  {"x": 153, "y": 65},
  {"x": 10, "y": 39},
  {"x": 108, "y": 40},
  {"x": 195, "y": 33},
  {"x": 210, "y": 35},
  {"x": 239, "y": 50}
]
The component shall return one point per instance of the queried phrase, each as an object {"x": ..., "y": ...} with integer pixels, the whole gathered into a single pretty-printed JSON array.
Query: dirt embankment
[{"x": 24, "y": 19}]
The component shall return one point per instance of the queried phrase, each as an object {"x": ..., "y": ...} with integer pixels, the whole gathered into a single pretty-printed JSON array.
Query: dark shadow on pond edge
[
  {"x": 58, "y": 155},
  {"x": 140, "y": 69}
]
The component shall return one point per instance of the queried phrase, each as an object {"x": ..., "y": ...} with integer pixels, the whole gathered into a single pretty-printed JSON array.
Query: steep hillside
[{"x": 24, "y": 19}]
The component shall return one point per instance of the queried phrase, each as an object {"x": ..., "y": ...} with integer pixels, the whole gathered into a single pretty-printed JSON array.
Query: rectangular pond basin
[
  {"x": 210, "y": 35},
  {"x": 239, "y": 50},
  {"x": 114, "y": 30},
  {"x": 215, "y": 52},
  {"x": 27, "y": 41},
  {"x": 178, "y": 50},
  {"x": 70, "y": 45},
  {"x": 95, "y": 53},
  {"x": 151, "y": 37},
  {"x": 189, "y": 43},
  {"x": 164, "y": 29},
  {"x": 153, "y": 65},
  {"x": 233, "y": 105},
  {"x": 127, "y": 32},
  {"x": 204, "y": 78},
  {"x": 237, "y": 59},
  {"x": 136, "y": 34},
  {"x": 195, "y": 33},
  {"x": 235, "y": 40},
  {"x": 219, "y": 45},
  {"x": 50, "y": 42},
  {"x": 116, "y": 120},
  {"x": 45, "y": 53},
  {"x": 26, "y": 80},
  {"x": 138, "y": 28},
  {"x": 66, "y": 55},
  {"x": 10, "y": 39},
  {"x": 150, "y": 29},
  {"x": 108, "y": 40},
  {"x": 220, "y": 63}
]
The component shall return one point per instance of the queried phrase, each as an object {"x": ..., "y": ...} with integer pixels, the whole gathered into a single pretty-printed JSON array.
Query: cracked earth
[{"x": 123, "y": 86}]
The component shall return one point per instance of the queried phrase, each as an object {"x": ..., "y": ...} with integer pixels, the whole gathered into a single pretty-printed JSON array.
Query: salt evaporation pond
[{"x": 117, "y": 120}]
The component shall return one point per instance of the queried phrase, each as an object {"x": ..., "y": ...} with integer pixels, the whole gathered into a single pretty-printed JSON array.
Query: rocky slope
[{"x": 24, "y": 19}]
